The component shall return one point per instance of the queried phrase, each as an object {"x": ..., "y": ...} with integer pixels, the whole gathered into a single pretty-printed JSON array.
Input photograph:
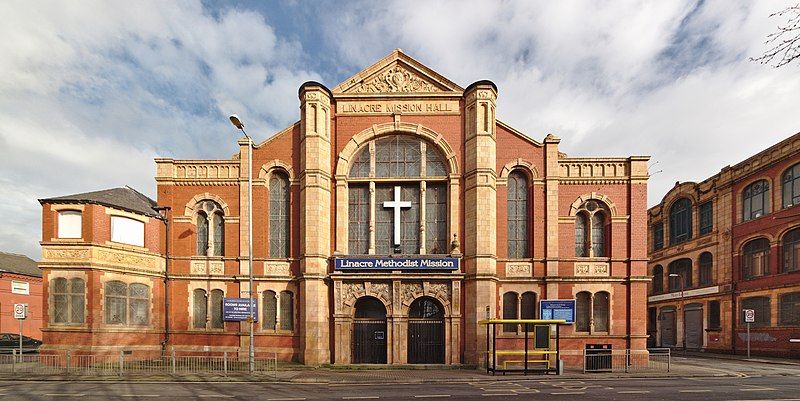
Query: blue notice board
[
  {"x": 237, "y": 310},
  {"x": 557, "y": 309}
]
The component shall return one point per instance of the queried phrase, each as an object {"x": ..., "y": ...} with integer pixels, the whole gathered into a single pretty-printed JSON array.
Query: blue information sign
[
  {"x": 397, "y": 263},
  {"x": 237, "y": 309},
  {"x": 557, "y": 309}
]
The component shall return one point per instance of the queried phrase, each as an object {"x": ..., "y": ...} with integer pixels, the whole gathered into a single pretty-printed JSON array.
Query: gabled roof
[
  {"x": 19, "y": 264},
  {"x": 125, "y": 198},
  {"x": 397, "y": 73}
]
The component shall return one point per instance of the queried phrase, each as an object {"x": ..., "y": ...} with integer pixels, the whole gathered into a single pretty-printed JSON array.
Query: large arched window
[
  {"x": 518, "y": 216},
  {"x": 706, "y": 266},
  {"x": 680, "y": 221},
  {"x": 418, "y": 192},
  {"x": 591, "y": 224},
  {"x": 658, "y": 279},
  {"x": 210, "y": 229},
  {"x": 791, "y": 186},
  {"x": 791, "y": 250},
  {"x": 755, "y": 200},
  {"x": 600, "y": 311},
  {"x": 755, "y": 258},
  {"x": 68, "y": 300},
  {"x": 680, "y": 274},
  {"x": 279, "y": 215}
]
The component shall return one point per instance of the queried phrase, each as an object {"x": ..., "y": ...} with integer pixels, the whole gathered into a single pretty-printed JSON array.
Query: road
[{"x": 745, "y": 381}]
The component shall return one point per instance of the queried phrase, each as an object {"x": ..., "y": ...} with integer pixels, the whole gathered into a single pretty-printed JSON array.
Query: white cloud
[{"x": 92, "y": 91}]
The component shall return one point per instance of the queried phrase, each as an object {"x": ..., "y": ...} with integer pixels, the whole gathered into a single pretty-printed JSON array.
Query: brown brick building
[
  {"x": 390, "y": 219},
  {"x": 20, "y": 283},
  {"x": 730, "y": 242}
]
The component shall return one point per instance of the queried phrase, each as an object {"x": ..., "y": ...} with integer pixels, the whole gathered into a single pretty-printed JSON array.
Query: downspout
[{"x": 164, "y": 217}]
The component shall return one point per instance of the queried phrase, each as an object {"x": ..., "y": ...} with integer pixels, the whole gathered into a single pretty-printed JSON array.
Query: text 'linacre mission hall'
[{"x": 388, "y": 221}]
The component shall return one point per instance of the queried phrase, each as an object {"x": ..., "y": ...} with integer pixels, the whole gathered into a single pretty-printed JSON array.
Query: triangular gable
[{"x": 397, "y": 73}]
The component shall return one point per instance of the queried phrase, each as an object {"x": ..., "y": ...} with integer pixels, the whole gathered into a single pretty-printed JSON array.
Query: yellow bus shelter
[{"x": 542, "y": 356}]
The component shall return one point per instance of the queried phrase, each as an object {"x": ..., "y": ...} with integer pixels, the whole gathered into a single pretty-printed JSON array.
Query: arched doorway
[
  {"x": 369, "y": 331},
  {"x": 426, "y": 331}
]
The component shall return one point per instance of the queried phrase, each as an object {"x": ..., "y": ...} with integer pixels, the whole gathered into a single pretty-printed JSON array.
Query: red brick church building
[{"x": 388, "y": 221}]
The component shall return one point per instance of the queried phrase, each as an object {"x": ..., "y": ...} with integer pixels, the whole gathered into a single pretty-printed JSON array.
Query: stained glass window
[
  {"x": 287, "y": 310},
  {"x": 219, "y": 235},
  {"x": 518, "y": 216},
  {"x": 279, "y": 215},
  {"x": 600, "y": 306},
  {"x": 210, "y": 229},
  {"x": 598, "y": 235},
  {"x": 199, "y": 308},
  {"x": 590, "y": 229},
  {"x": 202, "y": 234},
  {"x": 359, "y": 219},
  {"x": 436, "y": 218},
  {"x": 270, "y": 310},
  {"x": 580, "y": 236}
]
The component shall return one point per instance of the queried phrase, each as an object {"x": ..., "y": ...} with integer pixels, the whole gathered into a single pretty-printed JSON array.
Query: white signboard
[
  {"x": 749, "y": 315},
  {"x": 20, "y": 311},
  {"x": 20, "y": 287}
]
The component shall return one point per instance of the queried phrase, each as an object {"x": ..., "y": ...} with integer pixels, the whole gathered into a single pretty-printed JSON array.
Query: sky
[{"x": 92, "y": 91}]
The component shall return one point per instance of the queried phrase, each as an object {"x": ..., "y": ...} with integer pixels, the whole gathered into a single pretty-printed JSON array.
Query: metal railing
[
  {"x": 121, "y": 364},
  {"x": 627, "y": 361}
]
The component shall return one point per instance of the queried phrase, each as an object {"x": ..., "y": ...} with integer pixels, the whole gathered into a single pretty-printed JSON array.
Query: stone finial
[
  {"x": 552, "y": 138},
  {"x": 455, "y": 246}
]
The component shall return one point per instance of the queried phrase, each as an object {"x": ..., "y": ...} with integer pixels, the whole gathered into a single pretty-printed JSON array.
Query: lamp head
[
  {"x": 673, "y": 275},
  {"x": 236, "y": 121}
]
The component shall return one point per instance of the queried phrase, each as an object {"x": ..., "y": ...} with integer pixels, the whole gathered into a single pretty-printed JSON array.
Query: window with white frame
[
  {"x": 69, "y": 224},
  {"x": 127, "y": 231}
]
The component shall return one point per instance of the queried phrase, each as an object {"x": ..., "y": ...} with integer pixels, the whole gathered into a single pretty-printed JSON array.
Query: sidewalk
[{"x": 757, "y": 359}]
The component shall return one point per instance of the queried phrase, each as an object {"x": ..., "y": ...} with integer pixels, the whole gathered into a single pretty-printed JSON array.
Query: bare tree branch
[{"x": 785, "y": 41}]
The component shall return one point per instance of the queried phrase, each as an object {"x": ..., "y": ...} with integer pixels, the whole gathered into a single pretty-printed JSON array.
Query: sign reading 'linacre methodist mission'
[{"x": 398, "y": 263}]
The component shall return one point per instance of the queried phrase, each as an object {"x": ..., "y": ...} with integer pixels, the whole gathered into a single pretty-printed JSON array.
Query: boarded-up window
[
  {"x": 791, "y": 250},
  {"x": 270, "y": 317},
  {"x": 518, "y": 216},
  {"x": 436, "y": 218},
  {"x": 287, "y": 310},
  {"x": 199, "y": 309},
  {"x": 116, "y": 302},
  {"x": 139, "y": 301},
  {"x": 713, "y": 315},
  {"x": 510, "y": 300},
  {"x": 755, "y": 258},
  {"x": 127, "y": 231},
  {"x": 761, "y": 306},
  {"x": 69, "y": 224},
  {"x": 600, "y": 307},
  {"x": 216, "y": 309},
  {"x": 583, "y": 311},
  {"x": 279, "y": 215},
  {"x": 789, "y": 311},
  {"x": 706, "y": 267}
]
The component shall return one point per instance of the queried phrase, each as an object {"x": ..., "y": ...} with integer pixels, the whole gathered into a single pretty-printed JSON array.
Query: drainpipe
[
  {"x": 734, "y": 314},
  {"x": 164, "y": 217}
]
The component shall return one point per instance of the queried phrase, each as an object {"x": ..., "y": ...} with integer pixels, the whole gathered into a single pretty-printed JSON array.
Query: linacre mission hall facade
[{"x": 388, "y": 221}]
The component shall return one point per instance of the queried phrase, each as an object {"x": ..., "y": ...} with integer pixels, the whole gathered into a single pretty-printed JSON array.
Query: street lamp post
[
  {"x": 683, "y": 286},
  {"x": 238, "y": 124}
]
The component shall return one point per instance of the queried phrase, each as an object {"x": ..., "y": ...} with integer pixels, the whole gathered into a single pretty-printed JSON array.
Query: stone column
[
  {"x": 315, "y": 221},
  {"x": 480, "y": 215},
  {"x": 551, "y": 175}
]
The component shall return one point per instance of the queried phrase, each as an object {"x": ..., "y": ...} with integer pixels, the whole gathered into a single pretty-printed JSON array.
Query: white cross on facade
[{"x": 397, "y": 204}]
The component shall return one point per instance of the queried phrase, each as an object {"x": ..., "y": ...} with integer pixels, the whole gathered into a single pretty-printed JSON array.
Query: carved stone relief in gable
[{"x": 395, "y": 79}]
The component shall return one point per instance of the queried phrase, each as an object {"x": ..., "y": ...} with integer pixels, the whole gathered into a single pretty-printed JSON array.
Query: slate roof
[
  {"x": 125, "y": 198},
  {"x": 19, "y": 264}
]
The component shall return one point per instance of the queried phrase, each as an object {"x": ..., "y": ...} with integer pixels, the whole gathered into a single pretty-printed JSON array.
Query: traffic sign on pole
[
  {"x": 749, "y": 316},
  {"x": 20, "y": 311}
]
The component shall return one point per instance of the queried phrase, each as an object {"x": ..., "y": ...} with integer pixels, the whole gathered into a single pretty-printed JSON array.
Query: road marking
[
  {"x": 215, "y": 396},
  {"x": 363, "y": 397},
  {"x": 633, "y": 392},
  {"x": 140, "y": 395},
  {"x": 758, "y": 389},
  {"x": 695, "y": 391},
  {"x": 65, "y": 395},
  {"x": 285, "y": 399},
  {"x": 527, "y": 391},
  {"x": 570, "y": 393},
  {"x": 493, "y": 394},
  {"x": 432, "y": 396}
]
